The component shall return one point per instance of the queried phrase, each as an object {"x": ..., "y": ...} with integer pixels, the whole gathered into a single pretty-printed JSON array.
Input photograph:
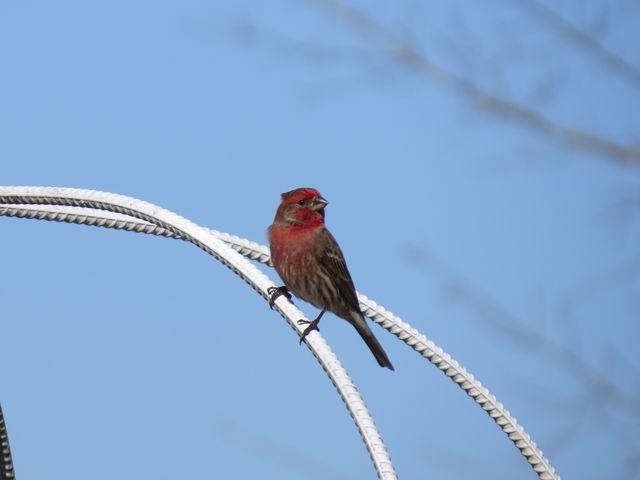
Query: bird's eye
[{"x": 301, "y": 202}]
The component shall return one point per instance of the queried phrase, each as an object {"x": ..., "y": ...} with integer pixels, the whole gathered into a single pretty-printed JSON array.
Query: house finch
[{"x": 311, "y": 264}]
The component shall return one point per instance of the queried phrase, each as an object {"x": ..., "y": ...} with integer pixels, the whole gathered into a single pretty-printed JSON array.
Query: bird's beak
[{"x": 319, "y": 203}]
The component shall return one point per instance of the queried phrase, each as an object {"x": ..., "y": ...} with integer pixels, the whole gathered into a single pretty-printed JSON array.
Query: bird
[{"x": 311, "y": 264}]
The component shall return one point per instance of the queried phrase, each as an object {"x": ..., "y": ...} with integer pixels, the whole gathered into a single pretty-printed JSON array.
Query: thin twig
[
  {"x": 404, "y": 53},
  {"x": 585, "y": 41}
]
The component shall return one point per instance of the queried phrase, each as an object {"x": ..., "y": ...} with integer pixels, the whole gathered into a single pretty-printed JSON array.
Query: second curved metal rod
[
  {"x": 185, "y": 229},
  {"x": 405, "y": 332},
  {"x": 7, "y": 471}
]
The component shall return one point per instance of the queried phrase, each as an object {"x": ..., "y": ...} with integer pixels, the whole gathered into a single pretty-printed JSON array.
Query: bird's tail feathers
[{"x": 367, "y": 335}]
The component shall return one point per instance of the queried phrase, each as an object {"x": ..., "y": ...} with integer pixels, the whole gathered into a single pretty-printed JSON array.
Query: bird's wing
[{"x": 332, "y": 260}]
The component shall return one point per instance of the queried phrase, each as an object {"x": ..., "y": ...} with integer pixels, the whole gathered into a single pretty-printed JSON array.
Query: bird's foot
[
  {"x": 312, "y": 325},
  {"x": 275, "y": 292}
]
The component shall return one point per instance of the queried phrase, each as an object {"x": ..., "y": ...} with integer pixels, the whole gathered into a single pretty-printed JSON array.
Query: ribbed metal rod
[
  {"x": 405, "y": 332},
  {"x": 7, "y": 471},
  {"x": 200, "y": 237}
]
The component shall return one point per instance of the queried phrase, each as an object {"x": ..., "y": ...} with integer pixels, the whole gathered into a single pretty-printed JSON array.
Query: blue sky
[{"x": 139, "y": 357}]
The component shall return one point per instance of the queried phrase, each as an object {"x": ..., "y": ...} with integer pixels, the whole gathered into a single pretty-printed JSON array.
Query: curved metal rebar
[
  {"x": 105, "y": 219},
  {"x": 409, "y": 335},
  {"x": 7, "y": 471},
  {"x": 197, "y": 235}
]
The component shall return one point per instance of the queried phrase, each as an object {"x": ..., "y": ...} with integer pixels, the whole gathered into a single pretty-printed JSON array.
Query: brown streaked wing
[{"x": 332, "y": 260}]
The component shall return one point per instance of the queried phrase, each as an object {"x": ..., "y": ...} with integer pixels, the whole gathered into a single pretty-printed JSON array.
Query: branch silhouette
[
  {"x": 583, "y": 40},
  {"x": 599, "y": 394},
  {"x": 403, "y": 53}
]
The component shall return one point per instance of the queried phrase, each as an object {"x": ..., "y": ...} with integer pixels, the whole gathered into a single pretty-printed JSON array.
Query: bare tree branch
[
  {"x": 529, "y": 339},
  {"x": 403, "y": 53},
  {"x": 600, "y": 399},
  {"x": 584, "y": 41}
]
